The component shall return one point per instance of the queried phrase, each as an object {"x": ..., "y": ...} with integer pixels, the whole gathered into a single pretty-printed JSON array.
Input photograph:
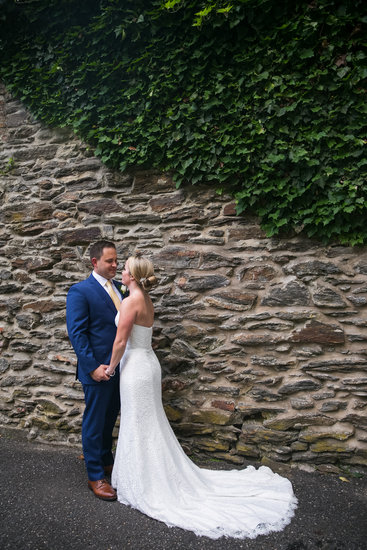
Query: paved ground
[{"x": 45, "y": 504}]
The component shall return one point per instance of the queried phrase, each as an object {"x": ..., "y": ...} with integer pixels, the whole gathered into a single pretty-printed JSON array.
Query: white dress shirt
[{"x": 102, "y": 281}]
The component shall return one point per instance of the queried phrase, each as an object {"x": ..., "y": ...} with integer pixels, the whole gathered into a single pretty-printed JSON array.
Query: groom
[{"x": 91, "y": 307}]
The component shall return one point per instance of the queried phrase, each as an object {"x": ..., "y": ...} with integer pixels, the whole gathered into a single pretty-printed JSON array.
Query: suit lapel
[{"x": 102, "y": 294}]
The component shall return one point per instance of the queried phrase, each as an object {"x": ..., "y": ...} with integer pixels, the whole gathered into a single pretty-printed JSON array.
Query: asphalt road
[{"x": 45, "y": 504}]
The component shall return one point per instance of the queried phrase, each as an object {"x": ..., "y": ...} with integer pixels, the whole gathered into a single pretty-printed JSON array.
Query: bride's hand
[{"x": 110, "y": 372}]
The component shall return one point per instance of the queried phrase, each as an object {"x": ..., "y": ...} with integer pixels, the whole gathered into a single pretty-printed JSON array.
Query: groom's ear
[{"x": 94, "y": 262}]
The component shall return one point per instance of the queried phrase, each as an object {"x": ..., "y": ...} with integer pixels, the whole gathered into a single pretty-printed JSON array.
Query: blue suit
[{"x": 90, "y": 319}]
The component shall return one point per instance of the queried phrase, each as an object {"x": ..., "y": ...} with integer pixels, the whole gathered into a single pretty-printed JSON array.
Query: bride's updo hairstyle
[{"x": 142, "y": 270}]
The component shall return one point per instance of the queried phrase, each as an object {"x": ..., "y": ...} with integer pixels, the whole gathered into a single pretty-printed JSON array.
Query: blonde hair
[{"x": 142, "y": 270}]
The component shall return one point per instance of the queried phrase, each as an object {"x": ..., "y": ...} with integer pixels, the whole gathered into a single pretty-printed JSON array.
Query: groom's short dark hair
[{"x": 96, "y": 249}]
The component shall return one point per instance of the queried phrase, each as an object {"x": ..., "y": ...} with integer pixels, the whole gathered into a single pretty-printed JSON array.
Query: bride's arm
[{"x": 126, "y": 321}]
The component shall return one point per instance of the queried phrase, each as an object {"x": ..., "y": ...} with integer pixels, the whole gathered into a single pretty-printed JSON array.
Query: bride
[{"x": 151, "y": 472}]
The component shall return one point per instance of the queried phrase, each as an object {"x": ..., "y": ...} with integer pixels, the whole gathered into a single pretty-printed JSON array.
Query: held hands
[
  {"x": 110, "y": 372},
  {"x": 101, "y": 373}
]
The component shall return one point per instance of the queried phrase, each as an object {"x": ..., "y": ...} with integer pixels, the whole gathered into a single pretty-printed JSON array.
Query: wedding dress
[{"x": 152, "y": 473}]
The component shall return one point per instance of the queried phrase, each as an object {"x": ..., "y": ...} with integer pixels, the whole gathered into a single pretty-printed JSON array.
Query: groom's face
[{"x": 106, "y": 265}]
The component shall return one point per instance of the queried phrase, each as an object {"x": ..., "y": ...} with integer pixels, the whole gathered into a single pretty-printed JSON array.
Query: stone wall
[{"x": 263, "y": 342}]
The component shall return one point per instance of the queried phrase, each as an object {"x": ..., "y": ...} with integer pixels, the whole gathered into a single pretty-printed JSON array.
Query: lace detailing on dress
[
  {"x": 153, "y": 474},
  {"x": 140, "y": 338}
]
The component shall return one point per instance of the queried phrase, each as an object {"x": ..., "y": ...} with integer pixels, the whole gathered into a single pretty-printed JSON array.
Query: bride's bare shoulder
[{"x": 134, "y": 301}]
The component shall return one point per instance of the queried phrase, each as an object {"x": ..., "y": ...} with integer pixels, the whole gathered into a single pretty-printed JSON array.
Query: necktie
[{"x": 113, "y": 295}]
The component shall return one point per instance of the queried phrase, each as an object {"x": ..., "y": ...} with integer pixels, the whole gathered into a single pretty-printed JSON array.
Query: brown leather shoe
[
  {"x": 108, "y": 469},
  {"x": 102, "y": 489}
]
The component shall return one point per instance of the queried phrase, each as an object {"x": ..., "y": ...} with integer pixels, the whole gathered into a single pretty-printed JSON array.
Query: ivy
[
  {"x": 8, "y": 167},
  {"x": 266, "y": 100}
]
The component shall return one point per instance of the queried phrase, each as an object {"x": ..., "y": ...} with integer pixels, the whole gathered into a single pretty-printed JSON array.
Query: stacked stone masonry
[{"x": 262, "y": 341}]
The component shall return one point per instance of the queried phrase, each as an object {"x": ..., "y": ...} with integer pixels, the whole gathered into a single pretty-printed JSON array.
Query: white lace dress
[{"x": 152, "y": 473}]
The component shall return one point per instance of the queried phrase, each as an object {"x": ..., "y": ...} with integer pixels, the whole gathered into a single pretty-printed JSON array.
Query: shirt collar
[{"x": 102, "y": 280}]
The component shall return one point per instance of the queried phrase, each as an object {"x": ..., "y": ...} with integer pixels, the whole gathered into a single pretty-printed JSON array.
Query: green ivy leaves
[{"x": 266, "y": 100}]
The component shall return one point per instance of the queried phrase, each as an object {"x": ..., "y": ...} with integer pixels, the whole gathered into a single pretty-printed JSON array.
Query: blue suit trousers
[{"x": 102, "y": 405}]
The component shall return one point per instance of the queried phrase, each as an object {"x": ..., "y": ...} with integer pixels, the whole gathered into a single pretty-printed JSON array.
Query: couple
[{"x": 151, "y": 472}]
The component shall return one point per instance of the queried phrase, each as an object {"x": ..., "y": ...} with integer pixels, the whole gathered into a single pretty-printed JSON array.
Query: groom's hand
[{"x": 99, "y": 374}]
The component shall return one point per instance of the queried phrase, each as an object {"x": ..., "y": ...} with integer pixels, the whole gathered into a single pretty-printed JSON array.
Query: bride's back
[{"x": 144, "y": 308}]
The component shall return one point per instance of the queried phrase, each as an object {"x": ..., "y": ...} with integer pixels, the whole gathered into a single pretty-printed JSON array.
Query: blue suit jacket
[{"x": 90, "y": 320}]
